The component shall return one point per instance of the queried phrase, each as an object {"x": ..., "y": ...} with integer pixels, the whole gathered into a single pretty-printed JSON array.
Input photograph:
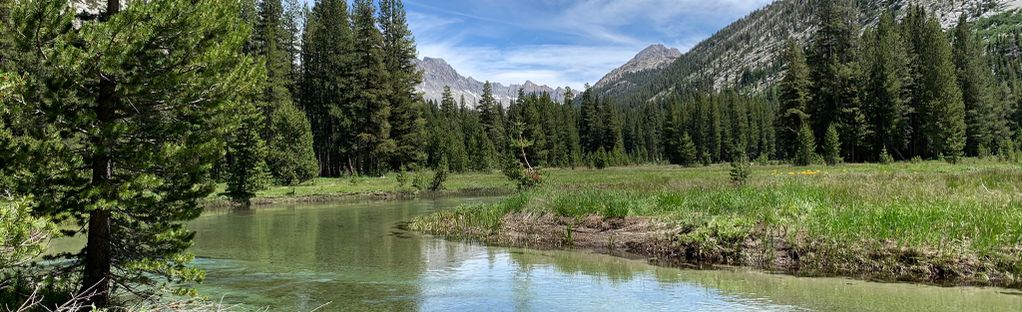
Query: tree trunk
[{"x": 98, "y": 257}]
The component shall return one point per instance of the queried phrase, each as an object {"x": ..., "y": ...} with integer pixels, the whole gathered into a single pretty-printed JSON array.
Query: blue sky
[{"x": 560, "y": 42}]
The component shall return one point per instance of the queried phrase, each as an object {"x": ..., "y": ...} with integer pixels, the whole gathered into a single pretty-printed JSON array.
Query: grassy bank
[
  {"x": 458, "y": 184},
  {"x": 921, "y": 222},
  {"x": 369, "y": 188}
]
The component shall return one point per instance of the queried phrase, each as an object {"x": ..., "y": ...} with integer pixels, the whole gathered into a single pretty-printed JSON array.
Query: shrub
[
  {"x": 516, "y": 172},
  {"x": 402, "y": 177},
  {"x": 740, "y": 170},
  {"x": 439, "y": 177},
  {"x": 885, "y": 157}
]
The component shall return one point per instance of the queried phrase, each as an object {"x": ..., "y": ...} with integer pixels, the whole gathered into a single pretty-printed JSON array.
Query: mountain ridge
[
  {"x": 437, "y": 73},
  {"x": 744, "y": 53},
  {"x": 653, "y": 57}
]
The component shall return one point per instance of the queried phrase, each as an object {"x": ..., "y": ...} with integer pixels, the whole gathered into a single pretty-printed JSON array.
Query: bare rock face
[
  {"x": 654, "y": 57},
  {"x": 436, "y": 74}
]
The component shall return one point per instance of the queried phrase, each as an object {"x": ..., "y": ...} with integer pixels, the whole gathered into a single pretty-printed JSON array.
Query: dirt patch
[{"x": 760, "y": 247}]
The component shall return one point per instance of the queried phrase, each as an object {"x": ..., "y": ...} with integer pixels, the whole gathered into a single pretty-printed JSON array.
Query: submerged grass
[{"x": 888, "y": 218}]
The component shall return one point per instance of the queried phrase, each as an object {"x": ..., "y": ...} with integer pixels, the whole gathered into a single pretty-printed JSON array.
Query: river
[{"x": 356, "y": 257}]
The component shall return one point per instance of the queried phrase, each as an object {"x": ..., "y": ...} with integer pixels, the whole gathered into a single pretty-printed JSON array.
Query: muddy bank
[{"x": 760, "y": 247}]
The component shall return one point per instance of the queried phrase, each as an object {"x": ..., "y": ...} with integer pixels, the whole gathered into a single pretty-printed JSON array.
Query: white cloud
[
  {"x": 577, "y": 43},
  {"x": 555, "y": 65}
]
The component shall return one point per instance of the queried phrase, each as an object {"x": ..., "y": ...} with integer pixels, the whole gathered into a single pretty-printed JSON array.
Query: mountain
[
  {"x": 654, "y": 57},
  {"x": 436, "y": 74},
  {"x": 743, "y": 54}
]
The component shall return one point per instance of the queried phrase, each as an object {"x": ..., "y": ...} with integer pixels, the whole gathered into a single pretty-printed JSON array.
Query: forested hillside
[{"x": 744, "y": 54}]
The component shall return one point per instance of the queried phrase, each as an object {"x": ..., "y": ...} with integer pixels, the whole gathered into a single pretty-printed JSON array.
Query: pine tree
[
  {"x": 687, "y": 151},
  {"x": 591, "y": 125},
  {"x": 449, "y": 135},
  {"x": 806, "y": 147},
  {"x": 153, "y": 116},
  {"x": 327, "y": 81},
  {"x": 370, "y": 104},
  {"x": 290, "y": 156},
  {"x": 942, "y": 99},
  {"x": 887, "y": 87},
  {"x": 274, "y": 44},
  {"x": 832, "y": 147},
  {"x": 835, "y": 74},
  {"x": 405, "y": 102},
  {"x": 985, "y": 118},
  {"x": 247, "y": 171},
  {"x": 491, "y": 116},
  {"x": 740, "y": 167}
]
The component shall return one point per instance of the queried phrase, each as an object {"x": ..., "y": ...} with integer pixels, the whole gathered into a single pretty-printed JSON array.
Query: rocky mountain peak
[
  {"x": 654, "y": 57},
  {"x": 656, "y": 52}
]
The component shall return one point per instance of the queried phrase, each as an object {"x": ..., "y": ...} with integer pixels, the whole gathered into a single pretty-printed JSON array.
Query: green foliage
[
  {"x": 370, "y": 110},
  {"x": 287, "y": 133},
  {"x": 326, "y": 84},
  {"x": 806, "y": 147},
  {"x": 439, "y": 177},
  {"x": 406, "y": 105},
  {"x": 885, "y": 157},
  {"x": 888, "y": 80},
  {"x": 516, "y": 166},
  {"x": 687, "y": 151},
  {"x": 290, "y": 156},
  {"x": 23, "y": 237},
  {"x": 130, "y": 115},
  {"x": 419, "y": 180},
  {"x": 247, "y": 172},
  {"x": 402, "y": 177},
  {"x": 940, "y": 98},
  {"x": 832, "y": 147},
  {"x": 985, "y": 113},
  {"x": 794, "y": 98},
  {"x": 600, "y": 159},
  {"x": 740, "y": 170}
]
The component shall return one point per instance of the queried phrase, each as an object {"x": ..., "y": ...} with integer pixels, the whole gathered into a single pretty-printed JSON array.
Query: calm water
[{"x": 355, "y": 257}]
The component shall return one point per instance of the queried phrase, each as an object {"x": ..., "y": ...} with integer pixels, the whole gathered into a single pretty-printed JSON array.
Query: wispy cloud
[{"x": 560, "y": 42}]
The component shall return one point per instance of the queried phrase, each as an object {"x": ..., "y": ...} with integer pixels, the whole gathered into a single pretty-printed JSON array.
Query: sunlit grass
[{"x": 976, "y": 205}]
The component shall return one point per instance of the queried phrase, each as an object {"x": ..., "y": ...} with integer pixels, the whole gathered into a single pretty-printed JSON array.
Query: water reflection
[{"x": 355, "y": 258}]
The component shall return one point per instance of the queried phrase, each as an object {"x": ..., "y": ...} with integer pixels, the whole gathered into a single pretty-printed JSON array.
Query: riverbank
[
  {"x": 472, "y": 184},
  {"x": 333, "y": 190},
  {"x": 910, "y": 222}
]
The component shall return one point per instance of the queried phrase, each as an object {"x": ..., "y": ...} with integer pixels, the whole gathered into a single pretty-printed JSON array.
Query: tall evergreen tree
[
  {"x": 984, "y": 115},
  {"x": 944, "y": 111},
  {"x": 284, "y": 130},
  {"x": 327, "y": 83},
  {"x": 887, "y": 88},
  {"x": 372, "y": 92},
  {"x": 835, "y": 73},
  {"x": 127, "y": 130},
  {"x": 247, "y": 171},
  {"x": 405, "y": 102},
  {"x": 492, "y": 117}
]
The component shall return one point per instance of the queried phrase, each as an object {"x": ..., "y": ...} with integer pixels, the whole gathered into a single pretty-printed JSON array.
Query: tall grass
[{"x": 976, "y": 206}]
